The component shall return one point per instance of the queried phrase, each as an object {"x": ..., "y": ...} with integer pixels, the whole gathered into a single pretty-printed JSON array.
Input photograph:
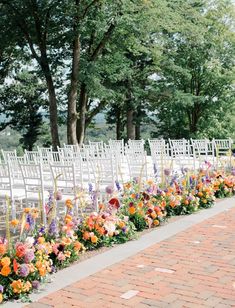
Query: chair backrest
[
  {"x": 32, "y": 157},
  {"x": 222, "y": 146},
  {"x": 7, "y": 154},
  {"x": 117, "y": 146},
  {"x": 64, "y": 178},
  {"x": 158, "y": 147},
  {"x": 179, "y": 147},
  {"x": 103, "y": 171},
  {"x": 137, "y": 164},
  {"x": 135, "y": 146}
]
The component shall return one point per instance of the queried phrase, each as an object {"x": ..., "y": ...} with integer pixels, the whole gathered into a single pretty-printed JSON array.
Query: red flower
[
  {"x": 115, "y": 202},
  {"x": 15, "y": 266}
]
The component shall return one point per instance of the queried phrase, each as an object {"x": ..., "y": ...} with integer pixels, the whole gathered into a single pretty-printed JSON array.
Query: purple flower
[
  {"x": 124, "y": 229},
  {"x": 167, "y": 172},
  {"x": 53, "y": 227},
  {"x": 1, "y": 288},
  {"x": 118, "y": 185},
  {"x": 23, "y": 270},
  {"x": 136, "y": 179},
  {"x": 35, "y": 284},
  {"x": 233, "y": 171},
  {"x": 29, "y": 256},
  {"x": 30, "y": 220},
  {"x": 90, "y": 187},
  {"x": 109, "y": 190}
]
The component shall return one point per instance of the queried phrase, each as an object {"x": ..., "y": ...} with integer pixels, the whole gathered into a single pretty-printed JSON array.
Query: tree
[
  {"x": 195, "y": 89},
  {"x": 20, "y": 102}
]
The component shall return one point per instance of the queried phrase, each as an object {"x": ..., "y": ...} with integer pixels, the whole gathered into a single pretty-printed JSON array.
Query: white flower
[{"x": 29, "y": 241}]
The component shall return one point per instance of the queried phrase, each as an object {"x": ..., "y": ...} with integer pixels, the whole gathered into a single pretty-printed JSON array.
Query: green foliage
[{"x": 20, "y": 101}]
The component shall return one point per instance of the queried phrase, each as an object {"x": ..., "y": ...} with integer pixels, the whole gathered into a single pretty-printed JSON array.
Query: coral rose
[{"x": 20, "y": 249}]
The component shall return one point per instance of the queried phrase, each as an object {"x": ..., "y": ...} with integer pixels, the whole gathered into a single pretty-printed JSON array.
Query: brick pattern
[{"x": 197, "y": 269}]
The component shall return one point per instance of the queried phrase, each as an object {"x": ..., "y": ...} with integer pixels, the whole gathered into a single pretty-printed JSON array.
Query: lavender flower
[
  {"x": 1, "y": 288},
  {"x": 109, "y": 190},
  {"x": 53, "y": 227},
  {"x": 233, "y": 171},
  {"x": 29, "y": 256},
  {"x": 24, "y": 270},
  {"x": 35, "y": 284},
  {"x": 167, "y": 172}
]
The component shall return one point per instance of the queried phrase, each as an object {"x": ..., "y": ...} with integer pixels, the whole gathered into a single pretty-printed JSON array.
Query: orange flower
[
  {"x": 2, "y": 249},
  {"x": 153, "y": 215},
  {"x": 35, "y": 213},
  {"x": 121, "y": 224},
  {"x": 42, "y": 271},
  {"x": 86, "y": 235},
  {"x": 5, "y": 271},
  {"x": 186, "y": 202},
  {"x": 127, "y": 185},
  {"x": 156, "y": 222},
  {"x": 66, "y": 241},
  {"x": 133, "y": 196},
  {"x": 94, "y": 239},
  {"x": 77, "y": 245},
  {"x": 41, "y": 240},
  {"x": 140, "y": 204},
  {"x": 200, "y": 194},
  {"x": 17, "y": 286},
  {"x": 27, "y": 210},
  {"x": 101, "y": 206},
  {"x": 1, "y": 298},
  {"x": 68, "y": 218},
  {"x": 69, "y": 203},
  {"x": 132, "y": 210},
  {"x": 14, "y": 222},
  {"x": 6, "y": 261}
]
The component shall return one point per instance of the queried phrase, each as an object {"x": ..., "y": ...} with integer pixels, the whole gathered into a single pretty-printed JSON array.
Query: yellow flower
[
  {"x": 94, "y": 239},
  {"x": 67, "y": 254},
  {"x": 6, "y": 261},
  {"x": 17, "y": 286},
  {"x": 27, "y": 286},
  {"x": 1, "y": 297}
]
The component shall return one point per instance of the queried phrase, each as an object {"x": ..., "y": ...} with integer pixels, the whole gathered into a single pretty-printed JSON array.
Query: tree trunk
[
  {"x": 53, "y": 113},
  {"x": 73, "y": 93},
  {"x": 129, "y": 125},
  {"x": 137, "y": 131},
  {"x": 81, "y": 123},
  {"x": 118, "y": 125}
]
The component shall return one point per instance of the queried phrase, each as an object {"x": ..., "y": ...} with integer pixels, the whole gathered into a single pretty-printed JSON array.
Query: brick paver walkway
[{"x": 195, "y": 268}]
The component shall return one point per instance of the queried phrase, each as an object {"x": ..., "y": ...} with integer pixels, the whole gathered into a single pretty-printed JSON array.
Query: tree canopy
[{"x": 160, "y": 62}]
